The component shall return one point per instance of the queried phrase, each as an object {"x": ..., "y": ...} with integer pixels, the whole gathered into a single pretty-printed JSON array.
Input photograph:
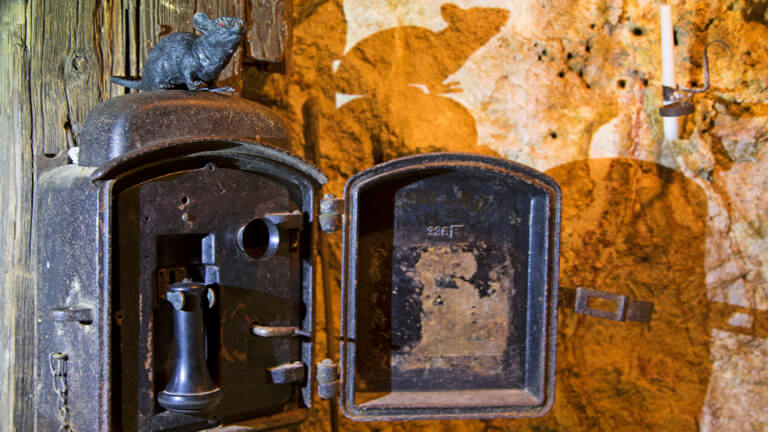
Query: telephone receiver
[{"x": 190, "y": 389}]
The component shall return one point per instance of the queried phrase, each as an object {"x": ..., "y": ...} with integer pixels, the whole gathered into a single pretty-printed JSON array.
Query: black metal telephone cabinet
[{"x": 176, "y": 277}]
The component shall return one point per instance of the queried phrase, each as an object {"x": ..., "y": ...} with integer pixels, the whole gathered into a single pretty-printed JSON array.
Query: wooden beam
[
  {"x": 269, "y": 33},
  {"x": 15, "y": 215},
  {"x": 56, "y": 61}
]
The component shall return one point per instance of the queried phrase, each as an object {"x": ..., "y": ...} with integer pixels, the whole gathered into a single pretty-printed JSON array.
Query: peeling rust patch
[{"x": 460, "y": 315}]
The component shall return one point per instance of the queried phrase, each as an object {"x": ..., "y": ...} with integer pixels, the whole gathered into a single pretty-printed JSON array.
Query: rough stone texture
[{"x": 572, "y": 87}]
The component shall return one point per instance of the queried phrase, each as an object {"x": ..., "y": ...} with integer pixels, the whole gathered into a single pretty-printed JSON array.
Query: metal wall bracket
[
  {"x": 626, "y": 309},
  {"x": 678, "y": 100}
]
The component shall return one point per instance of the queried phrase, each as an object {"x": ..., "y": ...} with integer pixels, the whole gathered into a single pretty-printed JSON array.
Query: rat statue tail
[{"x": 126, "y": 82}]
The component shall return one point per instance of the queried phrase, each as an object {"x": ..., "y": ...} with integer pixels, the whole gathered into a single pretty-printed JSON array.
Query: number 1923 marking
[{"x": 447, "y": 231}]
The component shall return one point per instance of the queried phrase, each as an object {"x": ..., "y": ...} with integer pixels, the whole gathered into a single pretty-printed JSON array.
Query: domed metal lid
[{"x": 130, "y": 122}]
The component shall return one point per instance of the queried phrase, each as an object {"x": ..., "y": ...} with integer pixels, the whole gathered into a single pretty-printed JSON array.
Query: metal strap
[
  {"x": 626, "y": 309},
  {"x": 677, "y": 109}
]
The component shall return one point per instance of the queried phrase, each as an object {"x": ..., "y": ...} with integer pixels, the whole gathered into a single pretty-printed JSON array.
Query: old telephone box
[{"x": 176, "y": 278}]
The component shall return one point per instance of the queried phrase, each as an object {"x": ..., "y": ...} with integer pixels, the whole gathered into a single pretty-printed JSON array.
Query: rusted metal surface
[
  {"x": 171, "y": 180},
  {"x": 219, "y": 196},
  {"x": 450, "y": 282},
  {"x": 126, "y": 123},
  {"x": 69, "y": 248}
]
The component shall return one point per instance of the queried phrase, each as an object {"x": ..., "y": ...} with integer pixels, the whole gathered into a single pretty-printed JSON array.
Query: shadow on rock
[
  {"x": 397, "y": 77},
  {"x": 638, "y": 229}
]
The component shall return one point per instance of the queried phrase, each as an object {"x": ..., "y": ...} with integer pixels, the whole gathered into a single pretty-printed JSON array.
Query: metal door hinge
[
  {"x": 331, "y": 213},
  {"x": 327, "y": 379},
  {"x": 626, "y": 309}
]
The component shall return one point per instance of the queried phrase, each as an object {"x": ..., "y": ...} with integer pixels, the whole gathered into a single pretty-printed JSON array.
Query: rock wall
[{"x": 572, "y": 88}]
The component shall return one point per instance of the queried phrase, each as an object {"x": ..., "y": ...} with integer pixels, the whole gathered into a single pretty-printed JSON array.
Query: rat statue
[{"x": 184, "y": 60}]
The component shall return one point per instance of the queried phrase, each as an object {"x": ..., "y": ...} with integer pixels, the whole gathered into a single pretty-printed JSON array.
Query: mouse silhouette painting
[{"x": 398, "y": 77}]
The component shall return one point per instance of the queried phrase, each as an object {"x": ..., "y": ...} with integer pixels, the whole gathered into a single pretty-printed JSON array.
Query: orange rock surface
[{"x": 572, "y": 88}]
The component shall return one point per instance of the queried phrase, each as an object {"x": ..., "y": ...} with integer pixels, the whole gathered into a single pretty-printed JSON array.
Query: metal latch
[
  {"x": 82, "y": 315},
  {"x": 287, "y": 373},
  {"x": 625, "y": 310},
  {"x": 331, "y": 213},
  {"x": 289, "y": 221},
  {"x": 327, "y": 379}
]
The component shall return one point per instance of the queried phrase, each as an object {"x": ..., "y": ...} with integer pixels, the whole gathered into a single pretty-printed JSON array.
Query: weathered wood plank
[
  {"x": 133, "y": 37},
  {"x": 65, "y": 68},
  {"x": 268, "y": 37},
  {"x": 15, "y": 213},
  {"x": 158, "y": 18},
  {"x": 53, "y": 74},
  {"x": 114, "y": 43}
]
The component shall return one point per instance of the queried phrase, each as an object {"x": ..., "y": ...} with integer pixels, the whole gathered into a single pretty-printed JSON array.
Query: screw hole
[
  {"x": 185, "y": 200},
  {"x": 210, "y": 166}
]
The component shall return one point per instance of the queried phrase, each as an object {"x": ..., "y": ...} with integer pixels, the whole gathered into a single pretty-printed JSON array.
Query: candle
[{"x": 671, "y": 124}]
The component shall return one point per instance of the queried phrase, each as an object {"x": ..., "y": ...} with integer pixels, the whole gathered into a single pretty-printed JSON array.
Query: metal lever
[
  {"x": 268, "y": 332},
  {"x": 190, "y": 389}
]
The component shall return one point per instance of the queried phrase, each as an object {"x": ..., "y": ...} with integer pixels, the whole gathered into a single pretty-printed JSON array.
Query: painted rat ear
[{"x": 202, "y": 23}]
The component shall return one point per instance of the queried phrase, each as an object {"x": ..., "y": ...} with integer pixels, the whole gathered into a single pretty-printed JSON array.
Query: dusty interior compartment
[
  {"x": 158, "y": 246},
  {"x": 449, "y": 272}
]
